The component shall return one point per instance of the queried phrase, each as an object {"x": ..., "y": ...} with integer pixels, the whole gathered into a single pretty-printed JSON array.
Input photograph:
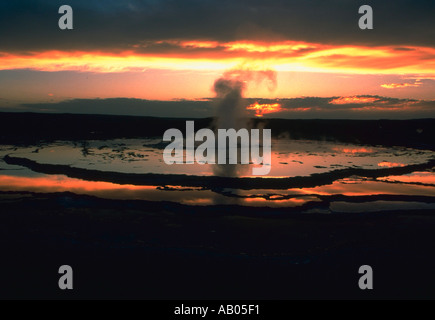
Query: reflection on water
[
  {"x": 426, "y": 178},
  {"x": 231, "y": 170},
  {"x": 201, "y": 196},
  {"x": 390, "y": 164},
  {"x": 352, "y": 150},
  {"x": 289, "y": 159},
  {"x": 364, "y": 187},
  {"x": 191, "y": 196}
]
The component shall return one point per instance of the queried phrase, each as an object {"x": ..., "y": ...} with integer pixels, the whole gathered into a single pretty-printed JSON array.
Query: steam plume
[{"x": 229, "y": 89}]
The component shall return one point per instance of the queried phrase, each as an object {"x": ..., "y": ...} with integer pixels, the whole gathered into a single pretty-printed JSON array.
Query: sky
[{"x": 161, "y": 58}]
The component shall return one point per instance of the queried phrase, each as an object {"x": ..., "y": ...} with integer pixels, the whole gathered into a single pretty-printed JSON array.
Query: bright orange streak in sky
[
  {"x": 261, "y": 109},
  {"x": 106, "y": 62},
  {"x": 211, "y": 55},
  {"x": 400, "y": 85},
  {"x": 348, "y": 100}
]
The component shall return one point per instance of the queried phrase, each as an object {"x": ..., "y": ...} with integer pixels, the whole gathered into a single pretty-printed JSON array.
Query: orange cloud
[
  {"x": 354, "y": 99},
  {"x": 302, "y": 109},
  {"x": 214, "y": 55},
  {"x": 417, "y": 83},
  {"x": 261, "y": 109},
  {"x": 377, "y": 103}
]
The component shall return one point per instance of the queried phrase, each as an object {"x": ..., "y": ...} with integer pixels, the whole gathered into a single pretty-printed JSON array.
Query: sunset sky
[{"x": 122, "y": 56}]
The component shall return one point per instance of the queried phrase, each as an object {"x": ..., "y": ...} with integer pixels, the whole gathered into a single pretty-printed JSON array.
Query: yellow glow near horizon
[{"x": 104, "y": 63}]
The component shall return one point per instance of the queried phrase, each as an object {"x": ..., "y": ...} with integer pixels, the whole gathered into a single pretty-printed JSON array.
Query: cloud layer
[
  {"x": 353, "y": 107},
  {"x": 29, "y": 25}
]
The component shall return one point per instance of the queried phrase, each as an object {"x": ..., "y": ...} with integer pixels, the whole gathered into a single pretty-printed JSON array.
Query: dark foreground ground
[
  {"x": 32, "y": 128},
  {"x": 128, "y": 249}
]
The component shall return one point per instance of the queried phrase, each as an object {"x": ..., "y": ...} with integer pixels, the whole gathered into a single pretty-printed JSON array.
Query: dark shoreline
[
  {"x": 32, "y": 128},
  {"x": 128, "y": 249}
]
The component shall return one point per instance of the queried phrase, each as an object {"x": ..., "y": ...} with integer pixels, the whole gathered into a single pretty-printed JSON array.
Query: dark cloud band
[
  {"x": 356, "y": 107},
  {"x": 27, "y": 25}
]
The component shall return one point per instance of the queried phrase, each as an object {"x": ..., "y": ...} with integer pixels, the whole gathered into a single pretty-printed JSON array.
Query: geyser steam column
[
  {"x": 231, "y": 114},
  {"x": 231, "y": 124},
  {"x": 230, "y": 109}
]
